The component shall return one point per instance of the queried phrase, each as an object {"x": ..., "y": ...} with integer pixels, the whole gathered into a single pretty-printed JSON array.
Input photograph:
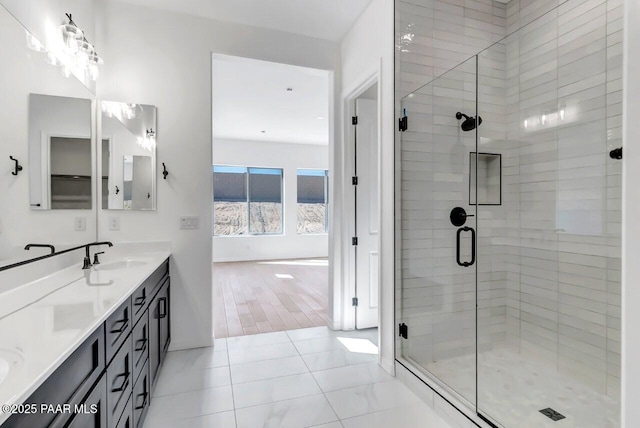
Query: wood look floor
[{"x": 273, "y": 295}]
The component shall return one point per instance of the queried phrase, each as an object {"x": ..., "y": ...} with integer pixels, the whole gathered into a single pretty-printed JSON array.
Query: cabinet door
[
  {"x": 164, "y": 319},
  {"x": 94, "y": 413},
  {"x": 159, "y": 333}
]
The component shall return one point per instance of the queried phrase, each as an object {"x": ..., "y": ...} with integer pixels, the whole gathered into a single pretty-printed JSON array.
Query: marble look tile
[
  {"x": 260, "y": 353},
  {"x": 267, "y": 369},
  {"x": 215, "y": 420},
  {"x": 309, "y": 333},
  {"x": 242, "y": 342},
  {"x": 192, "y": 380},
  {"x": 360, "y": 400},
  {"x": 189, "y": 405},
  {"x": 220, "y": 344},
  {"x": 199, "y": 358},
  {"x": 337, "y": 424},
  {"x": 336, "y": 358},
  {"x": 320, "y": 344},
  {"x": 349, "y": 376},
  {"x": 417, "y": 415},
  {"x": 271, "y": 390},
  {"x": 297, "y": 413}
]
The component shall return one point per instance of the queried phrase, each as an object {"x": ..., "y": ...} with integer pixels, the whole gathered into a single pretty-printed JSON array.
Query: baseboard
[{"x": 181, "y": 345}]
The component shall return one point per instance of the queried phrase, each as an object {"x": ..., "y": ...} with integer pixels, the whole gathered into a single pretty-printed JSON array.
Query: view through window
[
  {"x": 247, "y": 200},
  {"x": 313, "y": 192}
]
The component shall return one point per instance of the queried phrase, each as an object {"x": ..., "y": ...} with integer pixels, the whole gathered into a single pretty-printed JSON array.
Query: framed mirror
[
  {"x": 127, "y": 156},
  {"x": 60, "y": 155}
]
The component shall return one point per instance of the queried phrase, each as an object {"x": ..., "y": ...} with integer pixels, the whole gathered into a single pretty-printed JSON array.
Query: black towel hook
[
  {"x": 117, "y": 190},
  {"x": 18, "y": 167},
  {"x": 165, "y": 172}
]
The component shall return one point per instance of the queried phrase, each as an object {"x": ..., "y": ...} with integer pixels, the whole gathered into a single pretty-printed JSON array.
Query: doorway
[{"x": 270, "y": 196}]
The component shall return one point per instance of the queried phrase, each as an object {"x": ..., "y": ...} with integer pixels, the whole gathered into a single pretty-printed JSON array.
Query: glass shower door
[{"x": 438, "y": 229}]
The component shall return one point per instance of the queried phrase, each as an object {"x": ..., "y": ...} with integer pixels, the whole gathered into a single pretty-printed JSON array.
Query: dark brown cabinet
[{"x": 108, "y": 380}]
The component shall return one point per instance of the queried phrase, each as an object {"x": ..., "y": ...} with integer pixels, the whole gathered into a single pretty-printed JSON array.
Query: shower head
[{"x": 469, "y": 123}]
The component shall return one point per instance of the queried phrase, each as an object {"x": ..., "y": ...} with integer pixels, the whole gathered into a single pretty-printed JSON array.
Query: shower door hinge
[
  {"x": 354, "y": 181},
  {"x": 354, "y": 120},
  {"x": 402, "y": 123},
  {"x": 354, "y": 241},
  {"x": 403, "y": 330},
  {"x": 354, "y": 301}
]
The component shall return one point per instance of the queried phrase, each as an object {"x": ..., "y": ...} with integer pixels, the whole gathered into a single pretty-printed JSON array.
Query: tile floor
[
  {"x": 311, "y": 377},
  {"x": 272, "y": 295}
]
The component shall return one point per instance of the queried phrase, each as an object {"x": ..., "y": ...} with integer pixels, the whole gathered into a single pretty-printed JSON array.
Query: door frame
[{"x": 349, "y": 254}]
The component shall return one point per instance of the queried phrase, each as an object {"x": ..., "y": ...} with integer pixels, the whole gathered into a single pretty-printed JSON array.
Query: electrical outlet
[
  {"x": 80, "y": 224},
  {"x": 114, "y": 223},
  {"x": 189, "y": 222}
]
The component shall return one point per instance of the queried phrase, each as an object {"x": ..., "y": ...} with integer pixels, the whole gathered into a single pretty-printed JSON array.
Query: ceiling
[
  {"x": 323, "y": 19},
  {"x": 251, "y": 96}
]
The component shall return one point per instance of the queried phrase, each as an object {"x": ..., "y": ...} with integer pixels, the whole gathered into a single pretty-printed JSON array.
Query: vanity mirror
[
  {"x": 46, "y": 128},
  {"x": 60, "y": 167},
  {"x": 127, "y": 156}
]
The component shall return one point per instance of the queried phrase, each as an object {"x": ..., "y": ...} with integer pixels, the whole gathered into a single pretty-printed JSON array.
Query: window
[
  {"x": 265, "y": 201},
  {"x": 313, "y": 196},
  {"x": 247, "y": 200}
]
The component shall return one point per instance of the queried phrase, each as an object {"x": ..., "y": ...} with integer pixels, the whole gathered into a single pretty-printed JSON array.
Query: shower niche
[{"x": 485, "y": 185}]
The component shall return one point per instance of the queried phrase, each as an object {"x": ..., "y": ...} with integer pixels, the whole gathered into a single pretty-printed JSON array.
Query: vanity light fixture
[{"x": 72, "y": 52}]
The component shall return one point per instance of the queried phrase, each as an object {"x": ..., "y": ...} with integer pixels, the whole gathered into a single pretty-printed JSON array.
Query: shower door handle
[{"x": 473, "y": 246}]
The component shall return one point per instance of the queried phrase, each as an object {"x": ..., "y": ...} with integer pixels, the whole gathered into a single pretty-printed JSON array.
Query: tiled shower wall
[{"x": 549, "y": 256}]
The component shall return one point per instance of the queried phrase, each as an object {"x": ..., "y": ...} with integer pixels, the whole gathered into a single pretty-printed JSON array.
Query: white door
[{"x": 367, "y": 213}]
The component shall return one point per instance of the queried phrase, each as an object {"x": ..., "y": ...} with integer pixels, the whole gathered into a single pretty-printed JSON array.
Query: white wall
[
  {"x": 289, "y": 157},
  {"x": 366, "y": 50},
  {"x": 630, "y": 224},
  {"x": 164, "y": 58}
]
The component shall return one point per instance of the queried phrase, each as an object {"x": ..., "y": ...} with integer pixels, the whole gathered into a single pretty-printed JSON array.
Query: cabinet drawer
[
  {"x": 96, "y": 409},
  {"x": 142, "y": 296},
  {"x": 118, "y": 326},
  {"x": 119, "y": 382},
  {"x": 141, "y": 397},
  {"x": 140, "y": 341},
  {"x": 126, "y": 419},
  {"x": 69, "y": 384}
]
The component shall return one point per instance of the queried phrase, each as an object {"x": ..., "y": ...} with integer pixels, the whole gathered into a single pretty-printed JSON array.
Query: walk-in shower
[{"x": 508, "y": 233}]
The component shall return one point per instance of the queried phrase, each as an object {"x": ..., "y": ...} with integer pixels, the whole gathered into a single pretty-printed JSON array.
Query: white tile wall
[{"x": 549, "y": 256}]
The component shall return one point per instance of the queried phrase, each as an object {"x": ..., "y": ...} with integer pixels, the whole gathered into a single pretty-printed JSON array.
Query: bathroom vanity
[{"x": 88, "y": 353}]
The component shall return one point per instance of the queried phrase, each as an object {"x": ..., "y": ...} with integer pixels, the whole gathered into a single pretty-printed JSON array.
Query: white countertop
[{"x": 44, "y": 321}]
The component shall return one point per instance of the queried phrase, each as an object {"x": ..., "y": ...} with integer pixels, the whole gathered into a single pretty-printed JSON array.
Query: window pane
[
  {"x": 265, "y": 200},
  {"x": 312, "y": 201},
  {"x": 230, "y": 208}
]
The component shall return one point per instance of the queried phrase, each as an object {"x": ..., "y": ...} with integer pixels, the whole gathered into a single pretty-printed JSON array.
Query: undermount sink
[{"x": 121, "y": 264}]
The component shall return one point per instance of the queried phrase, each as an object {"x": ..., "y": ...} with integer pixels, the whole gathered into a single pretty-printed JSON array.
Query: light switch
[
  {"x": 114, "y": 223},
  {"x": 189, "y": 222},
  {"x": 80, "y": 224}
]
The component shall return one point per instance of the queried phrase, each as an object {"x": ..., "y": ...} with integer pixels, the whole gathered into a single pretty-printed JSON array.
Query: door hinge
[
  {"x": 354, "y": 241},
  {"x": 403, "y": 330},
  {"x": 354, "y": 120},
  {"x": 354, "y": 181},
  {"x": 402, "y": 122},
  {"x": 354, "y": 301}
]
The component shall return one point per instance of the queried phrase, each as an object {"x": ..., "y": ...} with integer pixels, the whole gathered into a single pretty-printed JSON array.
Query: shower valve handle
[{"x": 459, "y": 216}]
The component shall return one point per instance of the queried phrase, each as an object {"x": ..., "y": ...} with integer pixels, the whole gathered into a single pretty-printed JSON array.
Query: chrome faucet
[
  {"x": 87, "y": 257},
  {"x": 49, "y": 246}
]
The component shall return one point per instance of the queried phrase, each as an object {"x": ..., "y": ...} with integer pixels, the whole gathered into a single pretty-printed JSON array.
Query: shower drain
[{"x": 552, "y": 414}]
